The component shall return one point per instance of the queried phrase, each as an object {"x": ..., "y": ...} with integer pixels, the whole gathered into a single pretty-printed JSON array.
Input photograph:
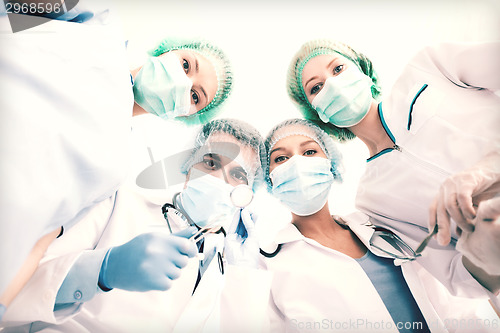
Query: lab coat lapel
[
  {"x": 202, "y": 313},
  {"x": 360, "y": 224}
]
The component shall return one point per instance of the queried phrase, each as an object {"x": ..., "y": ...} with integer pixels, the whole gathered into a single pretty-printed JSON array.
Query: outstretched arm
[{"x": 27, "y": 269}]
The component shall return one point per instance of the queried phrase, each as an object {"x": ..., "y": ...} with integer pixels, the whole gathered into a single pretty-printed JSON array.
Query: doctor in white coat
[
  {"x": 435, "y": 135},
  {"x": 220, "y": 290},
  {"x": 340, "y": 274},
  {"x": 67, "y": 103}
]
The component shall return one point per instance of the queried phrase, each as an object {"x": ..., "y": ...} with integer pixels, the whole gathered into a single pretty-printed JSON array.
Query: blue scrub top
[{"x": 391, "y": 286}]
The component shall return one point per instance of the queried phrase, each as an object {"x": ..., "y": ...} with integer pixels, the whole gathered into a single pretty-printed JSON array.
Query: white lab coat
[
  {"x": 66, "y": 108},
  {"x": 319, "y": 289},
  {"x": 452, "y": 125},
  {"x": 235, "y": 301}
]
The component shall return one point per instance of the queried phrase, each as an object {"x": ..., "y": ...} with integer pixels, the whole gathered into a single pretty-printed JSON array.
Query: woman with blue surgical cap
[
  {"x": 182, "y": 80},
  {"x": 346, "y": 271},
  {"x": 434, "y": 141},
  {"x": 112, "y": 274}
]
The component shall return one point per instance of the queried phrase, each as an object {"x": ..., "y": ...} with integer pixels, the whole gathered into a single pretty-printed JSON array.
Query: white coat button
[{"x": 78, "y": 295}]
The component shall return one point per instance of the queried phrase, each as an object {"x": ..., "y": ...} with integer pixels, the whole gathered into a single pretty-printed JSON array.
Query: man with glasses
[{"x": 135, "y": 251}]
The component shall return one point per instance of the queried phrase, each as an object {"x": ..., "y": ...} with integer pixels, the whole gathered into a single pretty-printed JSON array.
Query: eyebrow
[
  {"x": 331, "y": 62},
  {"x": 327, "y": 66},
  {"x": 204, "y": 93},
  {"x": 302, "y": 144},
  {"x": 197, "y": 68},
  {"x": 308, "y": 142},
  {"x": 214, "y": 156},
  {"x": 314, "y": 77},
  {"x": 275, "y": 149}
]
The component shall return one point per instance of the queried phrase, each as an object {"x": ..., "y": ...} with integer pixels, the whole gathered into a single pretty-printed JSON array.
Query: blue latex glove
[
  {"x": 240, "y": 248},
  {"x": 148, "y": 262},
  {"x": 2, "y": 311}
]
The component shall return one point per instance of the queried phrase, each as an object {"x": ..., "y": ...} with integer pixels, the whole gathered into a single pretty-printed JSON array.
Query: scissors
[{"x": 217, "y": 229}]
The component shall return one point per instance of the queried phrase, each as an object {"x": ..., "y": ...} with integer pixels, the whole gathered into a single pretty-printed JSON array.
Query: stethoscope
[{"x": 241, "y": 196}]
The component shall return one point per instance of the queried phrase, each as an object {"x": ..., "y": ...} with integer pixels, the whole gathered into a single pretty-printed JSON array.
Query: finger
[
  {"x": 248, "y": 221},
  {"x": 234, "y": 224},
  {"x": 164, "y": 284},
  {"x": 180, "y": 261},
  {"x": 173, "y": 272},
  {"x": 451, "y": 206},
  {"x": 433, "y": 213},
  {"x": 464, "y": 197},
  {"x": 454, "y": 211},
  {"x": 184, "y": 246},
  {"x": 443, "y": 221},
  {"x": 465, "y": 225},
  {"x": 185, "y": 233},
  {"x": 464, "y": 201}
]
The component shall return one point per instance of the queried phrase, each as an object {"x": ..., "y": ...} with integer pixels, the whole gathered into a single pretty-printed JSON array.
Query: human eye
[
  {"x": 310, "y": 152},
  {"x": 239, "y": 175},
  {"x": 194, "y": 97},
  {"x": 338, "y": 69},
  {"x": 185, "y": 65},
  {"x": 316, "y": 88},
  {"x": 280, "y": 159},
  {"x": 211, "y": 163}
]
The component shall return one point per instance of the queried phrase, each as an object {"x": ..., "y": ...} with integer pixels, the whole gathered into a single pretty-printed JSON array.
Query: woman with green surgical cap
[
  {"x": 182, "y": 80},
  {"x": 434, "y": 141}
]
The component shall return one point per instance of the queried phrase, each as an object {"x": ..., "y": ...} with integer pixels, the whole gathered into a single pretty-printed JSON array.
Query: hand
[
  {"x": 240, "y": 250},
  {"x": 148, "y": 262},
  {"x": 482, "y": 246},
  {"x": 458, "y": 193}
]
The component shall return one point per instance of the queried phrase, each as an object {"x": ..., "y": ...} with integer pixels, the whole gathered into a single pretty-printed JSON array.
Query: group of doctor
[{"x": 95, "y": 254}]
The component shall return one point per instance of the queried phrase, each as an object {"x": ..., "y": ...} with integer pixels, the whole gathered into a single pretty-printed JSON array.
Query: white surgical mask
[
  {"x": 344, "y": 99},
  {"x": 207, "y": 200},
  {"x": 162, "y": 87},
  {"x": 303, "y": 183}
]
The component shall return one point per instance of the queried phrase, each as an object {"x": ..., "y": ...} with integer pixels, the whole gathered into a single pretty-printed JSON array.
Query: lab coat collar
[
  {"x": 288, "y": 234},
  {"x": 384, "y": 123},
  {"x": 358, "y": 222}
]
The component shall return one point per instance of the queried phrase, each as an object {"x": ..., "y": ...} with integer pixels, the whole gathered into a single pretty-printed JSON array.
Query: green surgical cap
[
  {"x": 296, "y": 92},
  {"x": 222, "y": 69},
  {"x": 301, "y": 127}
]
